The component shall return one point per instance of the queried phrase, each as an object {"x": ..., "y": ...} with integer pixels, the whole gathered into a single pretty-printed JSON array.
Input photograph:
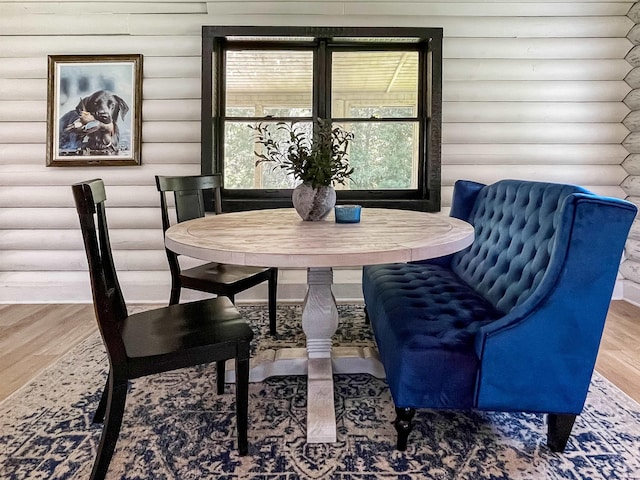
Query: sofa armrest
[{"x": 544, "y": 350}]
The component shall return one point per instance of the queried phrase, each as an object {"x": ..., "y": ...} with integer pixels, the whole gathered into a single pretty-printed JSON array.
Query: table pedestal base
[
  {"x": 319, "y": 361},
  {"x": 321, "y": 415},
  {"x": 293, "y": 361}
]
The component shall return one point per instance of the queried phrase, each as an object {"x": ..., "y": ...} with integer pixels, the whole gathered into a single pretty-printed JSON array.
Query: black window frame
[{"x": 427, "y": 42}]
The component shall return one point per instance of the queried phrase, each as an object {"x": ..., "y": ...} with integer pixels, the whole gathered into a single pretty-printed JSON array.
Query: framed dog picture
[{"x": 94, "y": 110}]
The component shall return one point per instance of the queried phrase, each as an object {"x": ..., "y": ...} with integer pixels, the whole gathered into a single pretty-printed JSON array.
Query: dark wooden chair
[
  {"x": 216, "y": 278},
  {"x": 153, "y": 341}
]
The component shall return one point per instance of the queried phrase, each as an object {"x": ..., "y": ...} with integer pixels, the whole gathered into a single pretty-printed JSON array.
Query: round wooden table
[{"x": 279, "y": 238}]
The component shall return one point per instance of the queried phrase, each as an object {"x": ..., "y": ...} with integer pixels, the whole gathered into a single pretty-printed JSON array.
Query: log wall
[
  {"x": 630, "y": 268},
  {"x": 532, "y": 90}
]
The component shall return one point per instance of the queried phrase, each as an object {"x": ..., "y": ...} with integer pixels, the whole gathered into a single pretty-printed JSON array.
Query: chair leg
[
  {"x": 220, "y": 376},
  {"x": 98, "y": 416},
  {"x": 115, "y": 410},
  {"x": 403, "y": 425},
  {"x": 174, "y": 299},
  {"x": 242, "y": 401},
  {"x": 273, "y": 296},
  {"x": 558, "y": 430}
]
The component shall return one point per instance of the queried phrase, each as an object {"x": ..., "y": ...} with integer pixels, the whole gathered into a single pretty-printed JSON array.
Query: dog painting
[
  {"x": 92, "y": 127},
  {"x": 94, "y": 110}
]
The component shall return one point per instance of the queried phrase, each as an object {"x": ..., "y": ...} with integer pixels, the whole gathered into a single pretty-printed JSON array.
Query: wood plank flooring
[
  {"x": 34, "y": 336},
  {"x": 619, "y": 355}
]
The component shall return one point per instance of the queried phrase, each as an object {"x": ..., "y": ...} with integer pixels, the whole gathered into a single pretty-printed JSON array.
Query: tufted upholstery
[
  {"x": 428, "y": 314},
  {"x": 514, "y": 321},
  {"x": 515, "y": 227}
]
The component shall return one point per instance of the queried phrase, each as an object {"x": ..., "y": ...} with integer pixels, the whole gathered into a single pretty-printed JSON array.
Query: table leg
[{"x": 319, "y": 323}]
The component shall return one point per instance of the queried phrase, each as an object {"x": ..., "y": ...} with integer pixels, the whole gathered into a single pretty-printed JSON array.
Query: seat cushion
[{"x": 425, "y": 318}]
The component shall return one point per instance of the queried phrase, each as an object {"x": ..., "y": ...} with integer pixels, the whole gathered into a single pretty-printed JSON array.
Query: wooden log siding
[
  {"x": 630, "y": 267},
  {"x": 532, "y": 89}
]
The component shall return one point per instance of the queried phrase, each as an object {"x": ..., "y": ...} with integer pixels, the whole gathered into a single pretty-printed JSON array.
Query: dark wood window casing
[{"x": 322, "y": 41}]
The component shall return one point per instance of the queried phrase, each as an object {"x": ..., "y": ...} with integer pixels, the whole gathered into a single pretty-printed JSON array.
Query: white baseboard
[
  {"x": 631, "y": 292},
  {"x": 154, "y": 287},
  {"x": 618, "y": 289}
]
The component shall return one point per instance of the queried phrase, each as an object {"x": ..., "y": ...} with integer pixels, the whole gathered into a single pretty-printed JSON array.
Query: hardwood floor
[
  {"x": 34, "y": 336},
  {"x": 619, "y": 356}
]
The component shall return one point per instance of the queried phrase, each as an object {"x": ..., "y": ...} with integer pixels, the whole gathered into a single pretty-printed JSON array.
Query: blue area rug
[{"x": 177, "y": 428}]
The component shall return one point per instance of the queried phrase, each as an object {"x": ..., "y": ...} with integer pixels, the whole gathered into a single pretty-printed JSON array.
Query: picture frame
[{"x": 94, "y": 110}]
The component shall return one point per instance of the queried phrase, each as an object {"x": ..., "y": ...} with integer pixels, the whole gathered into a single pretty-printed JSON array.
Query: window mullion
[
  {"x": 219, "y": 103},
  {"x": 322, "y": 80}
]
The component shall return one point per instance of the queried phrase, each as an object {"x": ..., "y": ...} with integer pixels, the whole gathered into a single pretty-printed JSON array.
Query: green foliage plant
[{"x": 322, "y": 161}]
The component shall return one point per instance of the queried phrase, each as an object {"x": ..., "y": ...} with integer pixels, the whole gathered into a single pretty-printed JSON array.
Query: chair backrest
[
  {"x": 188, "y": 193},
  {"x": 110, "y": 307},
  {"x": 188, "y": 196}
]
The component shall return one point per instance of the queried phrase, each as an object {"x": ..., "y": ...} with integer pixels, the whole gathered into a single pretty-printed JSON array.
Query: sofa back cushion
[{"x": 515, "y": 225}]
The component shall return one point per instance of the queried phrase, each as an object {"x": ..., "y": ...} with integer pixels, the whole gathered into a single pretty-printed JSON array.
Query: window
[{"x": 383, "y": 84}]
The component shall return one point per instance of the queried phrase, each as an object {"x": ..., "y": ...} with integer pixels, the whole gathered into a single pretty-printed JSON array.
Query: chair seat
[
  {"x": 222, "y": 274},
  {"x": 168, "y": 333}
]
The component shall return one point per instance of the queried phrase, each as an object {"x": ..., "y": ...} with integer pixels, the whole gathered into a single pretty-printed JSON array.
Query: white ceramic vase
[{"x": 313, "y": 204}]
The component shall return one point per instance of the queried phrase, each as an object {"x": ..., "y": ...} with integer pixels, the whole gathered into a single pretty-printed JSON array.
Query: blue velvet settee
[{"x": 513, "y": 322}]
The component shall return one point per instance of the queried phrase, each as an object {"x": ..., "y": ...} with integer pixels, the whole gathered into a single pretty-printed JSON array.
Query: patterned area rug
[{"x": 177, "y": 428}]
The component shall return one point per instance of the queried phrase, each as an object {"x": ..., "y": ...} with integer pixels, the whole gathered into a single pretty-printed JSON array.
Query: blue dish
[{"x": 347, "y": 213}]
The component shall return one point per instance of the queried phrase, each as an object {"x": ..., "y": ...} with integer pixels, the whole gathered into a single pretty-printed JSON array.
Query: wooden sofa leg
[
  {"x": 558, "y": 430},
  {"x": 403, "y": 425}
]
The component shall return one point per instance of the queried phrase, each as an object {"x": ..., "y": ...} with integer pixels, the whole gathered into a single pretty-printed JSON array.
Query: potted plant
[{"x": 318, "y": 163}]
